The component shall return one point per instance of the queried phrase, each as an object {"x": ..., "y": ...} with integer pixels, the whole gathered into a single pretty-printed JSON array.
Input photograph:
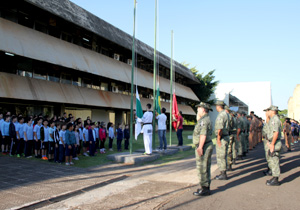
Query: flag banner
[
  {"x": 175, "y": 111},
  {"x": 139, "y": 114},
  {"x": 158, "y": 104}
]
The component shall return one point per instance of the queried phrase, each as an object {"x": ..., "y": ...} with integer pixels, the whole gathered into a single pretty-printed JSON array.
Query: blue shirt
[
  {"x": 97, "y": 132},
  {"x": 86, "y": 134},
  {"x": 62, "y": 135},
  {"x": 5, "y": 128},
  {"x": 51, "y": 131},
  {"x": 70, "y": 138},
  {"x": 46, "y": 134},
  {"x": 119, "y": 134},
  {"x": 20, "y": 129},
  {"x": 1, "y": 121},
  {"x": 111, "y": 133},
  {"x": 29, "y": 132},
  {"x": 36, "y": 130}
]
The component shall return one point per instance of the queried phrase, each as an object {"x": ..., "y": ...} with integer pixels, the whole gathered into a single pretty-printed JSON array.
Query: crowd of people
[
  {"x": 58, "y": 139},
  {"x": 291, "y": 129}
]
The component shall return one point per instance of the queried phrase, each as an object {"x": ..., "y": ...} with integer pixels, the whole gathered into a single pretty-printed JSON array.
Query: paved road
[{"x": 153, "y": 186}]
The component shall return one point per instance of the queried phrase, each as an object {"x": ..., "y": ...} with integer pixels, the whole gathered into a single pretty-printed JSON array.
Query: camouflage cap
[
  {"x": 220, "y": 103},
  {"x": 267, "y": 109},
  {"x": 227, "y": 108},
  {"x": 205, "y": 105},
  {"x": 274, "y": 108}
]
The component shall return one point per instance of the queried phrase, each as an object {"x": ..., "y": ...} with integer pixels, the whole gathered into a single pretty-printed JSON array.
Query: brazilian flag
[{"x": 158, "y": 105}]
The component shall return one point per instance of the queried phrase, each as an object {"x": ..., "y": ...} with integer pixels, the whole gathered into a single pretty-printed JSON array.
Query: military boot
[
  {"x": 202, "y": 192},
  {"x": 233, "y": 162},
  {"x": 229, "y": 168},
  {"x": 273, "y": 182},
  {"x": 222, "y": 176}
]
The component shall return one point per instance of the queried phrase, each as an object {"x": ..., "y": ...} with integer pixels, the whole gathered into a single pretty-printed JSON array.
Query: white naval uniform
[{"x": 147, "y": 130}]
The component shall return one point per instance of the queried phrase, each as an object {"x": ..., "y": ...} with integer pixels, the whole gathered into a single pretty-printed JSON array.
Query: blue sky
[{"x": 245, "y": 41}]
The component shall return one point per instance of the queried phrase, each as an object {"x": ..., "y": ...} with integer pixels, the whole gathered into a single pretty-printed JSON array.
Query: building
[
  {"x": 57, "y": 57},
  {"x": 245, "y": 96},
  {"x": 294, "y": 104}
]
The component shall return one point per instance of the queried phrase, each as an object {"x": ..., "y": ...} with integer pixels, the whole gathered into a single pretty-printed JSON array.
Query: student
[
  {"x": 162, "y": 128},
  {"x": 120, "y": 137},
  {"x": 56, "y": 141},
  {"x": 97, "y": 136},
  {"x": 102, "y": 136},
  {"x": 85, "y": 138},
  {"x": 13, "y": 135},
  {"x": 111, "y": 136},
  {"x": 1, "y": 121},
  {"x": 28, "y": 137},
  {"x": 77, "y": 137},
  {"x": 70, "y": 142},
  {"x": 20, "y": 137},
  {"x": 62, "y": 145},
  {"x": 51, "y": 146},
  {"x": 80, "y": 130},
  {"x": 126, "y": 136},
  {"x": 92, "y": 140},
  {"x": 5, "y": 135},
  {"x": 45, "y": 139},
  {"x": 37, "y": 138}
]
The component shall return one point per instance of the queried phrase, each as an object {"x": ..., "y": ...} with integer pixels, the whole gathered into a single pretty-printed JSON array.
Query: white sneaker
[
  {"x": 88, "y": 151},
  {"x": 85, "y": 154},
  {"x": 71, "y": 163},
  {"x": 111, "y": 150},
  {"x": 29, "y": 157},
  {"x": 67, "y": 164},
  {"x": 75, "y": 158}
]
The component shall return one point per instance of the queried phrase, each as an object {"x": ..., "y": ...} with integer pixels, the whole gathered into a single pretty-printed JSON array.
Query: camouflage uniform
[
  {"x": 222, "y": 123},
  {"x": 231, "y": 145},
  {"x": 264, "y": 133},
  {"x": 203, "y": 163},
  {"x": 239, "y": 125},
  {"x": 274, "y": 125},
  {"x": 244, "y": 141},
  {"x": 247, "y": 133}
]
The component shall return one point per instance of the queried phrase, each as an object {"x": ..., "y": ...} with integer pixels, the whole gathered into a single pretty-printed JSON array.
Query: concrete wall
[
  {"x": 100, "y": 115},
  {"x": 294, "y": 104}
]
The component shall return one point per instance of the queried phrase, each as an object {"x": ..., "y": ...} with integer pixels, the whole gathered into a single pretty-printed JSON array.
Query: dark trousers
[
  {"x": 119, "y": 144},
  {"x": 97, "y": 143},
  {"x": 20, "y": 146},
  {"x": 102, "y": 142},
  {"x": 126, "y": 144},
  {"x": 28, "y": 148},
  {"x": 75, "y": 151},
  {"x": 179, "y": 136},
  {"x": 13, "y": 146},
  {"x": 61, "y": 153},
  {"x": 56, "y": 153},
  {"x": 110, "y": 143},
  {"x": 92, "y": 148}
]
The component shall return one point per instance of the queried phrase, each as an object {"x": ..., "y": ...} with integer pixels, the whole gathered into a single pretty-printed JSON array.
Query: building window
[
  {"x": 104, "y": 86},
  {"x": 66, "y": 78},
  {"x": 53, "y": 76},
  {"x": 39, "y": 74},
  {"x": 86, "y": 83},
  {"x": 24, "y": 73},
  {"x": 76, "y": 81},
  {"x": 42, "y": 27},
  {"x": 66, "y": 37}
]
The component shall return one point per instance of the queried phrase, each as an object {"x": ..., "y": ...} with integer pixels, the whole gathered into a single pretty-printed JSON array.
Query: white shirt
[
  {"x": 162, "y": 118},
  {"x": 147, "y": 118}
]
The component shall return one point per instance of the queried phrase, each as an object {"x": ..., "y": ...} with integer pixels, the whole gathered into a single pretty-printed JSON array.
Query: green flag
[
  {"x": 139, "y": 109},
  {"x": 158, "y": 105}
]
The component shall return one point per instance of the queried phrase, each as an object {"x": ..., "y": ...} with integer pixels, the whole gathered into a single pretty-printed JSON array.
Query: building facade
[
  {"x": 57, "y": 57},
  {"x": 294, "y": 104}
]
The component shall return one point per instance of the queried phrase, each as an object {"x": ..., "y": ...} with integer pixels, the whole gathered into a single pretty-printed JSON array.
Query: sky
[{"x": 244, "y": 41}]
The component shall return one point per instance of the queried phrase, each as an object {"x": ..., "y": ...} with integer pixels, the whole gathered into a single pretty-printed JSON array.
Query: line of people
[{"x": 57, "y": 140}]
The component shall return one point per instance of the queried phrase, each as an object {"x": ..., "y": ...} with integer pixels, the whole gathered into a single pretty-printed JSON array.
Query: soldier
[
  {"x": 287, "y": 133},
  {"x": 233, "y": 132},
  {"x": 204, "y": 148},
  {"x": 222, "y": 133},
  {"x": 260, "y": 126},
  {"x": 267, "y": 172},
  {"x": 244, "y": 131},
  {"x": 251, "y": 132},
  {"x": 239, "y": 135},
  {"x": 231, "y": 139},
  {"x": 274, "y": 145}
]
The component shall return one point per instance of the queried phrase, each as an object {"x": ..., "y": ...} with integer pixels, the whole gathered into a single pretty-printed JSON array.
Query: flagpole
[
  {"x": 132, "y": 77},
  {"x": 171, "y": 88},
  {"x": 154, "y": 78}
]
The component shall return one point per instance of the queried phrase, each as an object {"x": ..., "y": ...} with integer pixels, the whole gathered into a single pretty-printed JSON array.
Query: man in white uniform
[{"x": 147, "y": 129}]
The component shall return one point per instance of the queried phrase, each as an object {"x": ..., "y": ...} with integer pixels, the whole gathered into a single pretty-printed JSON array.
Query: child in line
[
  {"x": 20, "y": 137},
  {"x": 45, "y": 139},
  {"x": 102, "y": 135},
  {"x": 28, "y": 137},
  {"x": 37, "y": 138},
  {"x": 126, "y": 136},
  {"x": 92, "y": 139},
  {"x": 111, "y": 136},
  {"x": 85, "y": 138},
  {"x": 56, "y": 140},
  {"x": 70, "y": 142},
  {"x": 5, "y": 135},
  {"x": 62, "y": 145},
  {"x": 97, "y": 136},
  {"x": 13, "y": 135},
  {"x": 51, "y": 142},
  {"x": 77, "y": 136},
  {"x": 80, "y": 130},
  {"x": 120, "y": 137}
]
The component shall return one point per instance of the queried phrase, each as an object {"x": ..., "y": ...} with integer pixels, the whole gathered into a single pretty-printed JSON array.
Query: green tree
[{"x": 206, "y": 87}]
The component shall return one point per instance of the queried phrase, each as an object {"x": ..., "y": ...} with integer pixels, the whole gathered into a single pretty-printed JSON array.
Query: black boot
[
  {"x": 222, "y": 176},
  {"x": 273, "y": 182},
  {"x": 229, "y": 168},
  {"x": 244, "y": 154},
  {"x": 233, "y": 162},
  {"x": 205, "y": 191},
  {"x": 267, "y": 172}
]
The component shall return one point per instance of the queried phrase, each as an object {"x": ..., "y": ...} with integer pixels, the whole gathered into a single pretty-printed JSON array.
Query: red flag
[{"x": 174, "y": 111}]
